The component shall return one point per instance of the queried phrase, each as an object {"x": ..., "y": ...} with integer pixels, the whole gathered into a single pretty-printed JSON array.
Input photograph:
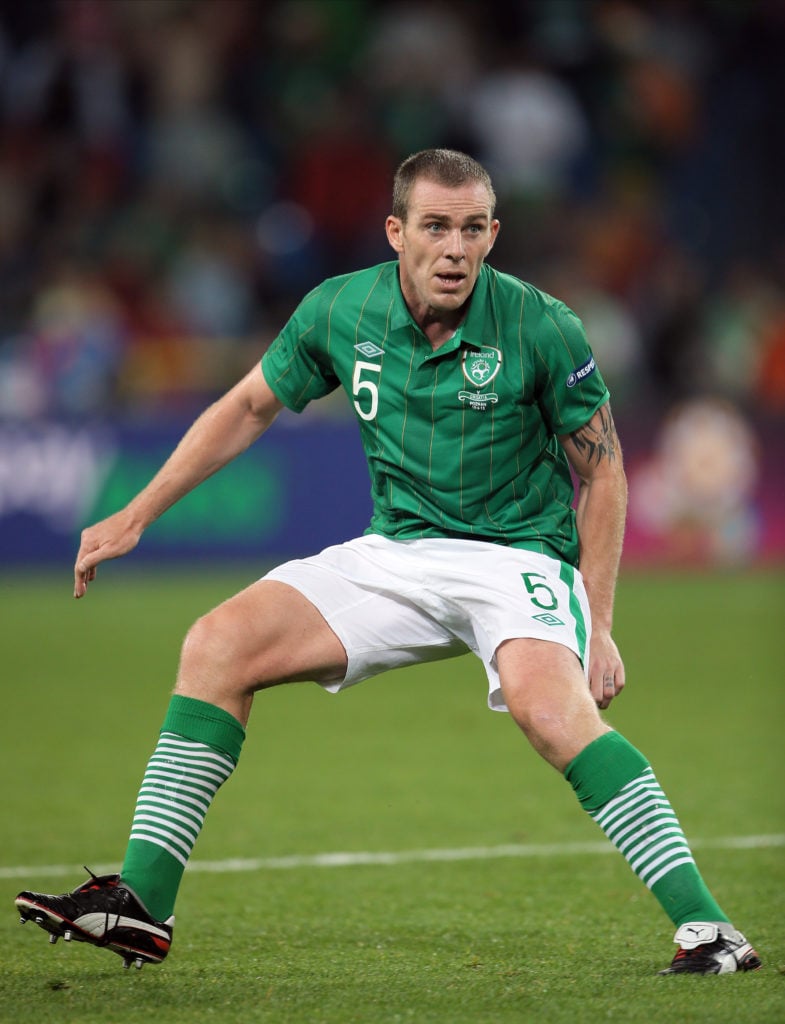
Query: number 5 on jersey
[{"x": 371, "y": 386}]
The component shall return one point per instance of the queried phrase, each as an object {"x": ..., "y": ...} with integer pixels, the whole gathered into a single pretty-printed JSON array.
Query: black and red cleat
[{"x": 103, "y": 912}]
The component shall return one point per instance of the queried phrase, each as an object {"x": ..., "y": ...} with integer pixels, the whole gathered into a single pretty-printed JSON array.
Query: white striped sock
[
  {"x": 642, "y": 825},
  {"x": 179, "y": 784}
]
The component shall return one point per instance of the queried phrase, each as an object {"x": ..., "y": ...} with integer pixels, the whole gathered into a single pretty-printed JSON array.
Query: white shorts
[{"x": 394, "y": 603}]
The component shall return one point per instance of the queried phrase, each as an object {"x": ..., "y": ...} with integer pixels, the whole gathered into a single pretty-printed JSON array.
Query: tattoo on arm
[{"x": 596, "y": 443}]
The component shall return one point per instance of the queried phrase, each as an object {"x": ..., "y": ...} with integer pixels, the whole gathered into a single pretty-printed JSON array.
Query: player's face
[{"x": 441, "y": 246}]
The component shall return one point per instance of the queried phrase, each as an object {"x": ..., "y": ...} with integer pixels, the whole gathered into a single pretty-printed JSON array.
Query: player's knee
[
  {"x": 542, "y": 726},
  {"x": 210, "y": 649},
  {"x": 556, "y": 731}
]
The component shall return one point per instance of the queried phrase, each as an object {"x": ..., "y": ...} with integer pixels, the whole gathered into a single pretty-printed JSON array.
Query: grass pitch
[{"x": 557, "y": 930}]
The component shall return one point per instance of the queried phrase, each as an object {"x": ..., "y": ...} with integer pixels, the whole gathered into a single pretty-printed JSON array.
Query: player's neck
[{"x": 439, "y": 326}]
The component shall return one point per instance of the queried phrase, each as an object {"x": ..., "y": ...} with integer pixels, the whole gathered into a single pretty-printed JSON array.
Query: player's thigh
[
  {"x": 545, "y": 690},
  {"x": 269, "y": 633}
]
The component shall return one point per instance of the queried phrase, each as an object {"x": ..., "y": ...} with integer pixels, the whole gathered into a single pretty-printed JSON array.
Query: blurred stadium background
[{"x": 176, "y": 174}]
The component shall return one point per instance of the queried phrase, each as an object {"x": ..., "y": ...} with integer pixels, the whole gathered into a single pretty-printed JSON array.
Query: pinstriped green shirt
[{"x": 460, "y": 442}]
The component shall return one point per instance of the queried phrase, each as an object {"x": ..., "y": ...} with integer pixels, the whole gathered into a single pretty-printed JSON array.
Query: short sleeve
[
  {"x": 570, "y": 388},
  {"x": 296, "y": 366}
]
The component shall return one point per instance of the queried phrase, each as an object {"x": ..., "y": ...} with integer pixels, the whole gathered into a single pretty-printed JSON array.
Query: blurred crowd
[{"x": 176, "y": 174}]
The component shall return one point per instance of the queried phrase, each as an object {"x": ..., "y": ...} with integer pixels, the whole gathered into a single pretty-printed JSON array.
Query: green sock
[
  {"x": 616, "y": 786},
  {"x": 197, "y": 751}
]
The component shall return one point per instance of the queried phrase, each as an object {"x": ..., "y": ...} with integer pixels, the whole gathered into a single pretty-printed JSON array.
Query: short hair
[{"x": 444, "y": 166}]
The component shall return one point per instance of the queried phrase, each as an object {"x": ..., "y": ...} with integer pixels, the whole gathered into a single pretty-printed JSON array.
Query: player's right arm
[{"x": 222, "y": 432}]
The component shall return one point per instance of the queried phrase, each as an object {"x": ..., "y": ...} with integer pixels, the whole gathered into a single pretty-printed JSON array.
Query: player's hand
[
  {"x": 110, "y": 538},
  {"x": 606, "y": 669}
]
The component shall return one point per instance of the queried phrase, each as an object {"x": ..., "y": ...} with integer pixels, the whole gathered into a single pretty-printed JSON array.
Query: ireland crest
[{"x": 480, "y": 367}]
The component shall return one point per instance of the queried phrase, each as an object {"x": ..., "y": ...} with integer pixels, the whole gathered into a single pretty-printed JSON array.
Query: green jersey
[{"x": 461, "y": 441}]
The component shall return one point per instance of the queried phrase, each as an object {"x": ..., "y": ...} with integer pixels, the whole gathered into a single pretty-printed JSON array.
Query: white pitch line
[{"x": 391, "y": 858}]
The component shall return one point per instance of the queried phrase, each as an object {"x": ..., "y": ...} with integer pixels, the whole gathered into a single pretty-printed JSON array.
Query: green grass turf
[{"x": 410, "y": 761}]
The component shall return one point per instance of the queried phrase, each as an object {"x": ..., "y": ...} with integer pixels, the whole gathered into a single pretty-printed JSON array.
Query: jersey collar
[{"x": 471, "y": 330}]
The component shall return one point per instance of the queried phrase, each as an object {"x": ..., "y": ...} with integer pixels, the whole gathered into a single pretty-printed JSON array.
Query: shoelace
[{"x": 123, "y": 896}]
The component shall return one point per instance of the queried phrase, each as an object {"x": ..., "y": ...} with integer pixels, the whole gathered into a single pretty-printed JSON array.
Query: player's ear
[
  {"x": 495, "y": 225},
  {"x": 394, "y": 228}
]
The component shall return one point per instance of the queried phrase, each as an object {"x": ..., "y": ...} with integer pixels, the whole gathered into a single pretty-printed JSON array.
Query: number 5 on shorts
[{"x": 540, "y": 592}]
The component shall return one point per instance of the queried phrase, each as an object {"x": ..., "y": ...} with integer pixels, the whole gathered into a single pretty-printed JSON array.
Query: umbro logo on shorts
[{"x": 548, "y": 620}]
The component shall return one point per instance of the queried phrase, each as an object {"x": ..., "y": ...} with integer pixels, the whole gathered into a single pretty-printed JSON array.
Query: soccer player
[{"x": 474, "y": 393}]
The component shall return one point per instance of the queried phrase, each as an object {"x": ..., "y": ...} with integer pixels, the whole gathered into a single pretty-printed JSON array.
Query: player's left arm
[{"x": 594, "y": 452}]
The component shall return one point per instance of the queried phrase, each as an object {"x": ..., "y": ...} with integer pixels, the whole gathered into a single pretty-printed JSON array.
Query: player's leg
[
  {"x": 545, "y": 690},
  {"x": 275, "y": 631},
  {"x": 266, "y": 635}
]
